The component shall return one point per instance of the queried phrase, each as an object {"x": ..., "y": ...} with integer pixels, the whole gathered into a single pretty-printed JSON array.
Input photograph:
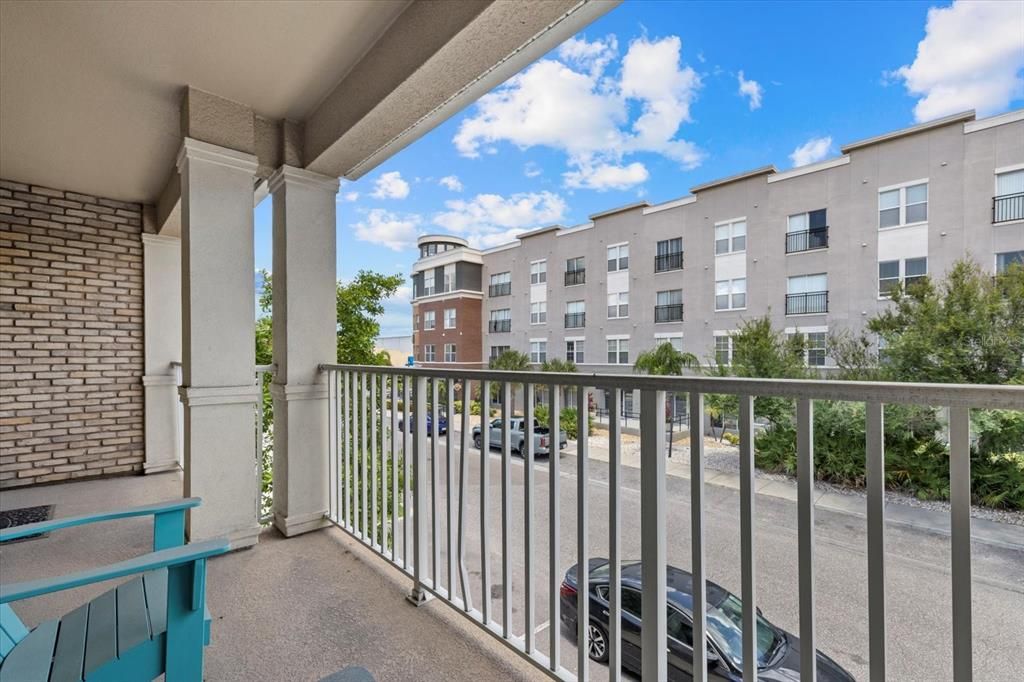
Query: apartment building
[{"x": 817, "y": 248}]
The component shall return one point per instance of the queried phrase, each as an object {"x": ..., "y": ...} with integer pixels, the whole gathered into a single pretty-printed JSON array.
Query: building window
[
  {"x": 574, "y": 351},
  {"x": 500, "y": 320},
  {"x": 807, "y": 294},
  {"x": 1005, "y": 260},
  {"x": 676, "y": 341},
  {"x": 501, "y": 284},
  {"x": 892, "y": 272},
  {"x": 1008, "y": 203},
  {"x": 430, "y": 282},
  {"x": 538, "y": 272},
  {"x": 429, "y": 319},
  {"x": 618, "y": 305},
  {"x": 415, "y": 322},
  {"x": 807, "y": 231},
  {"x": 429, "y": 353},
  {"x": 538, "y": 351},
  {"x": 575, "y": 271},
  {"x": 618, "y": 257},
  {"x": 730, "y": 237},
  {"x": 816, "y": 348},
  {"x": 669, "y": 255},
  {"x": 449, "y": 278},
  {"x": 723, "y": 349},
  {"x": 449, "y": 318},
  {"x": 903, "y": 205},
  {"x": 449, "y": 352},
  {"x": 669, "y": 306},
  {"x": 539, "y": 312},
  {"x": 498, "y": 350},
  {"x": 575, "y": 314},
  {"x": 731, "y": 294},
  {"x": 618, "y": 351}
]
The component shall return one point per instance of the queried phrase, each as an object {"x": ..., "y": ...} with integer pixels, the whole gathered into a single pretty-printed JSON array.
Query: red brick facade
[
  {"x": 71, "y": 336},
  {"x": 467, "y": 335}
]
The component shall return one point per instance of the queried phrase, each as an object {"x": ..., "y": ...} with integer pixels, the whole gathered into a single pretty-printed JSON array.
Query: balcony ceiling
[{"x": 91, "y": 91}]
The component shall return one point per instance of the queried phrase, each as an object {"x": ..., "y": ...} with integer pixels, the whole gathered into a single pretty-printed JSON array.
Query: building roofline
[
  {"x": 672, "y": 203},
  {"x": 912, "y": 130},
  {"x": 447, "y": 238},
  {"x": 993, "y": 121},
  {"x": 538, "y": 231},
  {"x": 619, "y": 209},
  {"x": 763, "y": 170}
]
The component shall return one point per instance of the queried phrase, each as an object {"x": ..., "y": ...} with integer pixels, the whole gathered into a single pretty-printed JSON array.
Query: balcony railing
[
  {"x": 668, "y": 261},
  {"x": 573, "y": 277},
  {"x": 668, "y": 313},
  {"x": 575, "y": 320},
  {"x": 407, "y": 494},
  {"x": 496, "y": 326},
  {"x": 807, "y": 240},
  {"x": 504, "y": 289},
  {"x": 1008, "y": 207},
  {"x": 807, "y": 304}
]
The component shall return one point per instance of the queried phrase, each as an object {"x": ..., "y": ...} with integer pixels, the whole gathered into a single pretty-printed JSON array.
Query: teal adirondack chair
[{"x": 155, "y": 623}]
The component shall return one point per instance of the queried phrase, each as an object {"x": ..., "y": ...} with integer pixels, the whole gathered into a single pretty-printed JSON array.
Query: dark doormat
[{"x": 25, "y": 515}]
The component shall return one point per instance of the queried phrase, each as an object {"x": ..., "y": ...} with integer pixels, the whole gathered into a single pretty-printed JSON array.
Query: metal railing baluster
[
  {"x": 485, "y": 476},
  {"x": 529, "y": 394},
  {"x": 875, "y": 471},
  {"x": 698, "y": 571},
  {"x": 374, "y": 456},
  {"x": 435, "y": 472},
  {"x": 582, "y": 516},
  {"x": 805, "y": 535},
  {"x": 364, "y": 416},
  {"x": 467, "y": 397},
  {"x": 554, "y": 476},
  {"x": 506, "y": 508},
  {"x": 654, "y": 635},
  {"x": 450, "y": 480},
  {"x": 406, "y": 471},
  {"x": 614, "y": 530},
  {"x": 394, "y": 467},
  {"x": 419, "y": 566},
  {"x": 748, "y": 596},
  {"x": 960, "y": 539}
]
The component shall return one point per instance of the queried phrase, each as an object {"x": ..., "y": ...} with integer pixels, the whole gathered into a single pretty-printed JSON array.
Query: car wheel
[
  {"x": 477, "y": 443},
  {"x": 519, "y": 449},
  {"x": 597, "y": 646}
]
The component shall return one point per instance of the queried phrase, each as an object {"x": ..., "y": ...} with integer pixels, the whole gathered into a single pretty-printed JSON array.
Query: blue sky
[{"x": 656, "y": 97}]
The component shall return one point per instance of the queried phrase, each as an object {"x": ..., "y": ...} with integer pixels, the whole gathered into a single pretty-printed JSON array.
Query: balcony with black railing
[
  {"x": 807, "y": 240},
  {"x": 672, "y": 312},
  {"x": 497, "y": 326},
  {"x": 575, "y": 320},
  {"x": 668, "y": 261},
  {"x": 574, "y": 277},
  {"x": 807, "y": 303},
  {"x": 504, "y": 289},
  {"x": 1008, "y": 207}
]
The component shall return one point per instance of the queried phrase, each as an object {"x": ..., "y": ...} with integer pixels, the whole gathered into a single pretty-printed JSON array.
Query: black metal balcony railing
[
  {"x": 805, "y": 304},
  {"x": 1008, "y": 207},
  {"x": 573, "y": 277},
  {"x": 668, "y": 261},
  {"x": 807, "y": 240},
  {"x": 495, "y": 326},
  {"x": 575, "y": 320},
  {"x": 499, "y": 289},
  {"x": 668, "y": 313}
]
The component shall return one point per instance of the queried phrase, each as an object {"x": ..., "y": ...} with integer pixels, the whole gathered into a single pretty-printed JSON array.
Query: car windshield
[{"x": 725, "y": 623}]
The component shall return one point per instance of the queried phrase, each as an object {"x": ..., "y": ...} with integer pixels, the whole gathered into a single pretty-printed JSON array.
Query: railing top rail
[
  {"x": 266, "y": 368},
  {"x": 952, "y": 395}
]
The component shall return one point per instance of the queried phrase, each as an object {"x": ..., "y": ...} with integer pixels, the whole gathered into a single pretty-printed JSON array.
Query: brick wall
[{"x": 71, "y": 336}]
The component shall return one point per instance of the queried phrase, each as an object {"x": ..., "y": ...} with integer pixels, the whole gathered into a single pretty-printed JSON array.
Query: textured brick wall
[{"x": 71, "y": 336}]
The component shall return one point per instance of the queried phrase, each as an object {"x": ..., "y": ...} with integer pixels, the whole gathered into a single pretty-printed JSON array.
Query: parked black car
[{"x": 778, "y": 650}]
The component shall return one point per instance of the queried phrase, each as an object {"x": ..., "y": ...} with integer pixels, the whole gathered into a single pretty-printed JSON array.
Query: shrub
[
  {"x": 567, "y": 419},
  {"x": 474, "y": 407},
  {"x": 731, "y": 438},
  {"x": 457, "y": 406}
]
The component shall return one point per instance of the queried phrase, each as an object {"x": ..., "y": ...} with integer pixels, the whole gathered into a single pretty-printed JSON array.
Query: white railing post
[
  {"x": 747, "y": 563},
  {"x": 653, "y": 637},
  {"x": 506, "y": 506},
  {"x": 582, "y": 516},
  {"x": 419, "y": 594},
  {"x": 960, "y": 540},
  {"x": 485, "y": 476},
  {"x": 875, "y": 473},
  {"x": 805, "y": 535},
  {"x": 467, "y": 399},
  {"x": 529, "y": 393},
  {"x": 554, "y": 567},
  {"x": 614, "y": 530},
  {"x": 700, "y": 650}
]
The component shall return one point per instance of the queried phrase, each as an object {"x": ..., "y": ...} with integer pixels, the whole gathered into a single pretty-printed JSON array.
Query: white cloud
[
  {"x": 491, "y": 219},
  {"x": 451, "y": 182},
  {"x": 347, "y": 196},
  {"x": 606, "y": 176},
  {"x": 576, "y": 105},
  {"x": 752, "y": 90},
  {"x": 403, "y": 294},
  {"x": 390, "y": 186},
  {"x": 970, "y": 58},
  {"x": 397, "y": 232},
  {"x": 531, "y": 169},
  {"x": 814, "y": 150}
]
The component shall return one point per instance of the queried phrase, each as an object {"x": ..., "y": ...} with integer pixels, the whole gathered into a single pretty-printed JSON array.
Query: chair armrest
[
  {"x": 71, "y": 521},
  {"x": 154, "y": 560}
]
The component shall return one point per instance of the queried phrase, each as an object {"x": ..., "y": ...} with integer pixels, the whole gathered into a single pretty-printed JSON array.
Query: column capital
[
  {"x": 288, "y": 392},
  {"x": 291, "y": 175},
  {"x": 194, "y": 150},
  {"x": 194, "y": 396}
]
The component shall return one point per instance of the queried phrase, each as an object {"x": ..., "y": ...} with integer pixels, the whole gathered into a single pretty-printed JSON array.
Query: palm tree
[
  {"x": 665, "y": 360},
  {"x": 508, "y": 361},
  {"x": 560, "y": 365}
]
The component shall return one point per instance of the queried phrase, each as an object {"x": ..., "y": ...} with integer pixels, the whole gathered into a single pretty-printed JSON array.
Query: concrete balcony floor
[{"x": 287, "y": 609}]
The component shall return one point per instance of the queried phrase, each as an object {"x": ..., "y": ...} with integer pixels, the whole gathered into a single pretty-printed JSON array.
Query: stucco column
[
  {"x": 161, "y": 257},
  {"x": 305, "y": 329},
  {"x": 218, "y": 348}
]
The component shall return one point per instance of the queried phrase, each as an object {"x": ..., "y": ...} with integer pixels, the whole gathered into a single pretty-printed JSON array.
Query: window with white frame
[
  {"x": 618, "y": 257},
  {"x": 618, "y": 305},
  {"x": 449, "y": 352},
  {"x": 730, "y": 237},
  {"x": 574, "y": 350},
  {"x": 449, "y": 318},
  {"x": 415, "y": 321},
  {"x": 538, "y": 351},
  {"x": 539, "y": 312},
  {"x": 429, "y": 353},
  {"x": 430, "y": 282},
  {"x": 675, "y": 340},
  {"x": 498, "y": 350},
  {"x": 1005, "y": 260},
  {"x": 1008, "y": 202},
  {"x": 815, "y": 348},
  {"x": 429, "y": 319},
  {"x": 907, "y": 271},
  {"x": 538, "y": 272},
  {"x": 731, "y": 294},
  {"x": 500, "y": 284},
  {"x": 449, "y": 277},
  {"x": 899, "y": 206},
  {"x": 618, "y": 351},
  {"x": 723, "y": 349}
]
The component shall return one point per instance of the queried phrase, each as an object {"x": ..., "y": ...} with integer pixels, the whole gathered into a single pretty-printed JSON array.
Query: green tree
[
  {"x": 663, "y": 359},
  {"x": 558, "y": 365},
  {"x": 508, "y": 361},
  {"x": 360, "y": 303}
]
